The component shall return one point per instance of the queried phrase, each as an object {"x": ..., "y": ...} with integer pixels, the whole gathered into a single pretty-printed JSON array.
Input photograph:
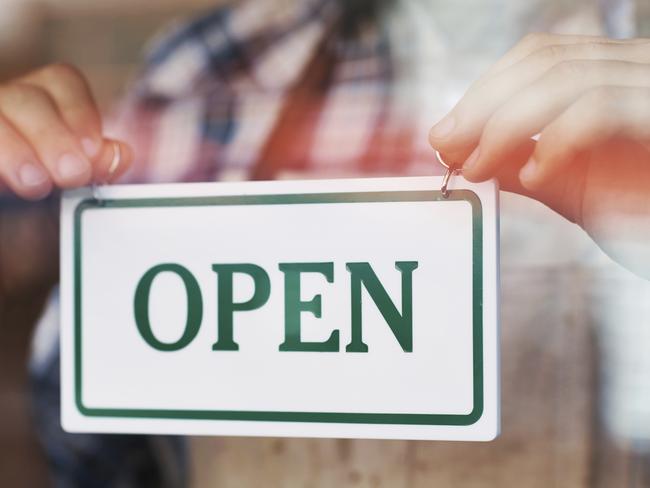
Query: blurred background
[
  {"x": 106, "y": 40},
  {"x": 575, "y": 327}
]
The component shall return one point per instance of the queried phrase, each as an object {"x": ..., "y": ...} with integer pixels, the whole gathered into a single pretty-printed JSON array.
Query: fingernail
[
  {"x": 528, "y": 171},
  {"x": 32, "y": 175},
  {"x": 443, "y": 128},
  {"x": 90, "y": 147},
  {"x": 472, "y": 159},
  {"x": 71, "y": 166}
]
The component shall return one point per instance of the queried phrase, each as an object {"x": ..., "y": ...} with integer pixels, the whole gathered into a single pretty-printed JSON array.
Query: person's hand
[
  {"x": 51, "y": 134},
  {"x": 588, "y": 98}
]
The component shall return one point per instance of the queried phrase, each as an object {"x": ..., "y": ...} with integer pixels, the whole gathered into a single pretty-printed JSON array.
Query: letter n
[{"x": 401, "y": 324}]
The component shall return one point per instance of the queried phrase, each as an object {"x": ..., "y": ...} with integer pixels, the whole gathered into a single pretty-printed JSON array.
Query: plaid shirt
[
  {"x": 204, "y": 107},
  {"x": 213, "y": 90}
]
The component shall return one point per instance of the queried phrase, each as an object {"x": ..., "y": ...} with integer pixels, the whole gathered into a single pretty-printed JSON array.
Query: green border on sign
[{"x": 301, "y": 199}]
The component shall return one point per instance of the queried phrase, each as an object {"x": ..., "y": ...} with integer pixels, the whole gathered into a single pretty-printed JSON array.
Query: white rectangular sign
[{"x": 340, "y": 308}]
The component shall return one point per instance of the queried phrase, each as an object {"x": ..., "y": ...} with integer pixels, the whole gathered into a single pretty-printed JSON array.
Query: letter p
[{"x": 226, "y": 306}]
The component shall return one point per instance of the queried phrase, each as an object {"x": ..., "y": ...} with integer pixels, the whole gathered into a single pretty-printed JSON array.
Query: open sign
[
  {"x": 361, "y": 274},
  {"x": 347, "y": 308}
]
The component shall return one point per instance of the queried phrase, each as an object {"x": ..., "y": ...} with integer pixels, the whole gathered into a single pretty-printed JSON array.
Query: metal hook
[
  {"x": 445, "y": 182},
  {"x": 451, "y": 170},
  {"x": 96, "y": 195}
]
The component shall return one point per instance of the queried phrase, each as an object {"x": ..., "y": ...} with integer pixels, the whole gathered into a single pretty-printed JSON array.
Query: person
[{"x": 325, "y": 87}]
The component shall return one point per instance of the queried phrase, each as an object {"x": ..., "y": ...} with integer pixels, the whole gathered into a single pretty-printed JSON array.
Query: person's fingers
[
  {"x": 528, "y": 112},
  {"x": 563, "y": 195},
  {"x": 34, "y": 115},
  {"x": 74, "y": 101},
  {"x": 598, "y": 116},
  {"x": 539, "y": 40},
  {"x": 458, "y": 132},
  {"x": 114, "y": 158},
  {"x": 20, "y": 170}
]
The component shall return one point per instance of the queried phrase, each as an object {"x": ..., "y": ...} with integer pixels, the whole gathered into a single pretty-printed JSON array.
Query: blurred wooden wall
[{"x": 28, "y": 269}]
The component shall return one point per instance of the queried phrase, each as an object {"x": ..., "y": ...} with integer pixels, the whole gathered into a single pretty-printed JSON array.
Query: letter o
[{"x": 194, "y": 307}]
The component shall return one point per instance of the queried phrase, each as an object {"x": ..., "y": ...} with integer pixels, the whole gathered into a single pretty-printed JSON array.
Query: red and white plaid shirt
[{"x": 212, "y": 91}]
